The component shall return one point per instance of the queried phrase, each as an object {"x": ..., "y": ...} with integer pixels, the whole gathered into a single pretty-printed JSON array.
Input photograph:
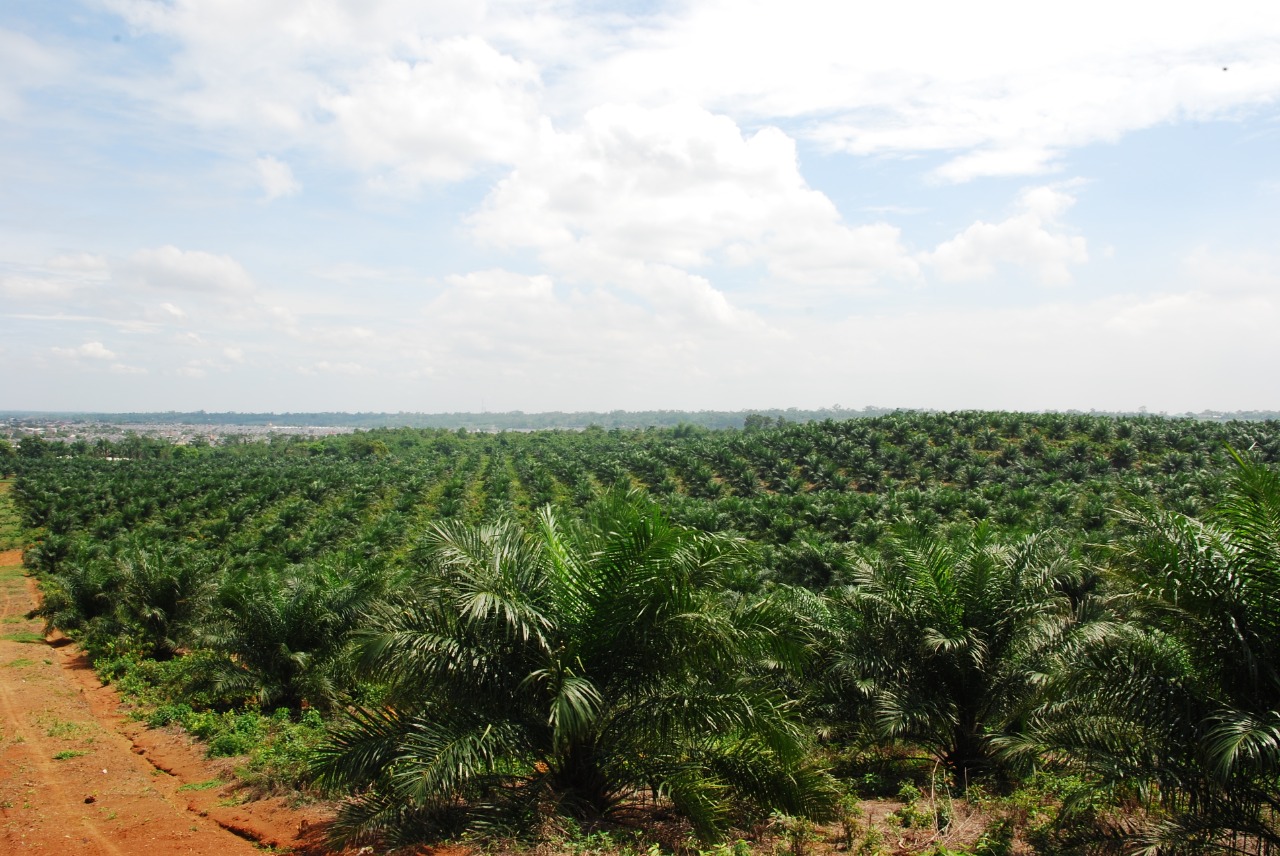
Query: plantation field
[
  {"x": 704, "y": 634},
  {"x": 796, "y": 490}
]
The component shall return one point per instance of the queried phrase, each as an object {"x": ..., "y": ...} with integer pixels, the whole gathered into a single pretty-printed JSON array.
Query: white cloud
[
  {"x": 1006, "y": 87},
  {"x": 438, "y": 118},
  {"x": 523, "y": 340},
  {"x": 1034, "y": 239},
  {"x": 432, "y": 91},
  {"x": 283, "y": 319},
  {"x": 1246, "y": 274},
  {"x": 25, "y": 64},
  {"x": 276, "y": 178},
  {"x": 652, "y": 197},
  {"x": 59, "y": 279},
  {"x": 171, "y": 269},
  {"x": 410, "y": 86},
  {"x": 1000, "y": 160},
  {"x": 678, "y": 294},
  {"x": 89, "y": 350},
  {"x": 678, "y": 188},
  {"x": 30, "y": 289},
  {"x": 82, "y": 263},
  {"x": 325, "y": 367}
]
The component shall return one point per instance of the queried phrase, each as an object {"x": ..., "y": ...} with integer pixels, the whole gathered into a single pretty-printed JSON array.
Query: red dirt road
[{"x": 77, "y": 777}]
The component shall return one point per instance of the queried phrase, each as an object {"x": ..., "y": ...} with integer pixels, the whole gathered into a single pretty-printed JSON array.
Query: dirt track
[{"x": 77, "y": 777}]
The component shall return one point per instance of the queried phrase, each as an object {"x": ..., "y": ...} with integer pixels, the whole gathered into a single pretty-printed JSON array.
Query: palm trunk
[{"x": 583, "y": 787}]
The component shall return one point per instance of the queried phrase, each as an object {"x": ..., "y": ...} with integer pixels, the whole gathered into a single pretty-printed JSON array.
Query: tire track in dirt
[{"x": 68, "y": 783}]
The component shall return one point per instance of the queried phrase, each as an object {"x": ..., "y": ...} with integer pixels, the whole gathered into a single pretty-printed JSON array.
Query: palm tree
[
  {"x": 283, "y": 634},
  {"x": 941, "y": 643},
  {"x": 1177, "y": 698},
  {"x": 581, "y": 669}
]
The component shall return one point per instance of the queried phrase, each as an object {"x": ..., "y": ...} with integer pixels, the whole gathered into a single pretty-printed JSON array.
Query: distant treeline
[{"x": 517, "y": 420}]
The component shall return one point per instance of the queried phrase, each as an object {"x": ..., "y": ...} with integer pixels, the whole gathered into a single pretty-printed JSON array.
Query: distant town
[
  {"x": 199, "y": 427},
  {"x": 69, "y": 430}
]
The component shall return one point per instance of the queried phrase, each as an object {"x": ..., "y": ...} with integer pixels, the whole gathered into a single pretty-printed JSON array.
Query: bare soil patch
[{"x": 78, "y": 777}]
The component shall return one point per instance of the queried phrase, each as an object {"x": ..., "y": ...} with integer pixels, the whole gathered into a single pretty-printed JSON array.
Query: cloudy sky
[{"x": 555, "y": 205}]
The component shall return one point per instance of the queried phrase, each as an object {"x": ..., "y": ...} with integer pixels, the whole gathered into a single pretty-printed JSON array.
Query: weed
[
  {"x": 996, "y": 839},
  {"x": 871, "y": 843},
  {"x": 911, "y": 815},
  {"x": 202, "y": 786},
  {"x": 797, "y": 833},
  {"x": 849, "y": 811},
  {"x": 25, "y": 637},
  {"x": 66, "y": 754},
  {"x": 64, "y": 730}
]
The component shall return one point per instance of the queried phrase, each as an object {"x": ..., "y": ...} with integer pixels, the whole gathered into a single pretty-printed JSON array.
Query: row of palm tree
[
  {"x": 587, "y": 667},
  {"x": 584, "y": 666},
  {"x": 797, "y": 490},
  {"x": 511, "y": 664},
  {"x": 1173, "y": 697}
]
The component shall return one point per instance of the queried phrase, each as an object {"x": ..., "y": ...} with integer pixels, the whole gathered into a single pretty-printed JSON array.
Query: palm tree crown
[
  {"x": 576, "y": 668},
  {"x": 942, "y": 644}
]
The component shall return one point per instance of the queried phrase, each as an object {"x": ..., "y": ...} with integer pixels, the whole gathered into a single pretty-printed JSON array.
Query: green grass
[
  {"x": 203, "y": 786},
  {"x": 67, "y": 730},
  {"x": 24, "y": 636},
  {"x": 20, "y": 663},
  {"x": 66, "y": 754},
  {"x": 12, "y": 534}
]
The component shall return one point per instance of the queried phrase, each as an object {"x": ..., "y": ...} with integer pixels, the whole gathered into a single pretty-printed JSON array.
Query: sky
[{"x": 407, "y": 205}]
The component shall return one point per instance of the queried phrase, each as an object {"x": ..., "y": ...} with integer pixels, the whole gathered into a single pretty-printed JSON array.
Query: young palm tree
[
  {"x": 283, "y": 634},
  {"x": 1177, "y": 699},
  {"x": 143, "y": 597},
  {"x": 942, "y": 644},
  {"x": 579, "y": 668}
]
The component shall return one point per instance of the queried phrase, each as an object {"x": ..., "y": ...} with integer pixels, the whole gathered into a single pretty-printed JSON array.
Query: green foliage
[
  {"x": 725, "y": 848},
  {"x": 849, "y": 813},
  {"x": 13, "y": 534},
  {"x": 941, "y": 644},
  {"x": 577, "y": 666},
  {"x": 870, "y": 844},
  {"x": 996, "y": 839},
  {"x": 1002, "y": 591},
  {"x": 202, "y": 786},
  {"x": 282, "y": 635},
  {"x": 277, "y": 750},
  {"x": 918, "y": 813},
  {"x": 797, "y": 834},
  {"x": 1173, "y": 700}
]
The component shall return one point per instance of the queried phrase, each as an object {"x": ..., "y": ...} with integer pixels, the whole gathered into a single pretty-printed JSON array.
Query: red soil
[{"x": 78, "y": 777}]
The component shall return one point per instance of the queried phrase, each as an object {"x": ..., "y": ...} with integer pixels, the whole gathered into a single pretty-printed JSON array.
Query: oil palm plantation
[{"x": 585, "y": 669}]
